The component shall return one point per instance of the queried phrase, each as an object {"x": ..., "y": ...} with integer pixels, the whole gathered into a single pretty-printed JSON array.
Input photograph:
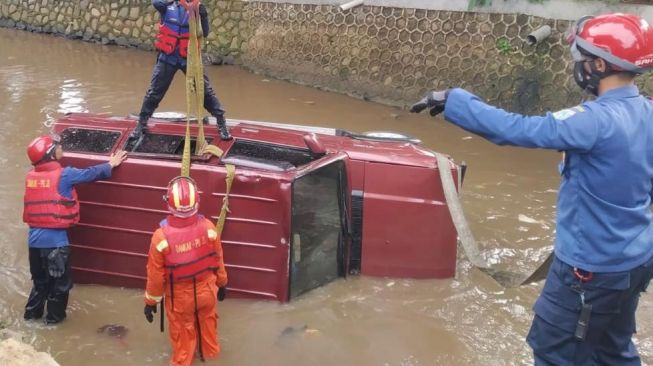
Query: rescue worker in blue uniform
[
  {"x": 585, "y": 314},
  {"x": 172, "y": 43},
  {"x": 50, "y": 207}
]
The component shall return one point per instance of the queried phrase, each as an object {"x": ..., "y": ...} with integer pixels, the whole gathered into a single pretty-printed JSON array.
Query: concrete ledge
[{"x": 555, "y": 9}]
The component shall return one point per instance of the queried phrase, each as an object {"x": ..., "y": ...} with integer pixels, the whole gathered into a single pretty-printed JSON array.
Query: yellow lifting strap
[
  {"x": 195, "y": 92},
  {"x": 194, "y": 83},
  {"x": 231, "y": 172}
]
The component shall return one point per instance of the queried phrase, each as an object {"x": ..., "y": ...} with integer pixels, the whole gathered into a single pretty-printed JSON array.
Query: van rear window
[{"x": 86, "y": 140}]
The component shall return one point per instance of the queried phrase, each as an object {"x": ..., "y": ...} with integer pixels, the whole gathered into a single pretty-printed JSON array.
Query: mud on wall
[{"x": 380, "y": 53}]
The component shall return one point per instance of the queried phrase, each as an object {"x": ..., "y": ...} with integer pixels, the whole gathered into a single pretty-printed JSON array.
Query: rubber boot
[
  {"x": 41, "y": 284},
  {"x": 57, "y": 304},
  {"x": 222, "y": 128},
  {"x": 36, "y": 303}
]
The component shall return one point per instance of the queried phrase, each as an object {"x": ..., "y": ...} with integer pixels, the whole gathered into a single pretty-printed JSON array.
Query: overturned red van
[{"x": 307, "y": 205}]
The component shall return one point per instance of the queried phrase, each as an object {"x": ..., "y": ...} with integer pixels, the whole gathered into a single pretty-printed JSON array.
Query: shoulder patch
[
  {"x": 163, "y": 244},
  {"x": 564, "y": 114}
]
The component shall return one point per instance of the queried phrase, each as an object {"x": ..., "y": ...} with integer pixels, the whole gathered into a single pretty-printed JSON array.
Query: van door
[{"x": 319, "y": 232}]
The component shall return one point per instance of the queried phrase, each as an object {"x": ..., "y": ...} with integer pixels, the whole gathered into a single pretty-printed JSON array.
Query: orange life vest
[
  {"x": 43, "y": 206},
  {"x": 191, "y": 253}
]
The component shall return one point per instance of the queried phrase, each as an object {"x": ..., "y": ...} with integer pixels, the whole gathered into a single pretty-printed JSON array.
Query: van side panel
[{"x": 407, "y": 229}]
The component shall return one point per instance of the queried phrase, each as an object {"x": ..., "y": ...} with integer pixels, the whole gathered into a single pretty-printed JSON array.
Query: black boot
[
  {"x": 41, "y": 283},
  {"x": 222, "y": 128},
  {"x": 138, "y": 131},
  {"x": 35, "y": 303},
  {"x": 57, "y": 304}
]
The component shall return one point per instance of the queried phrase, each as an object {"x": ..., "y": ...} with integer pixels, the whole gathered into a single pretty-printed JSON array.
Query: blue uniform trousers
[
  {"x": 614, "y": 298},
  {"x": 162, "y": 76}
]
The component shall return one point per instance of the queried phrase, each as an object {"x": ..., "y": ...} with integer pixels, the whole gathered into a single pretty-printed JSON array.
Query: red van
[{"x": 307, "y": 205}]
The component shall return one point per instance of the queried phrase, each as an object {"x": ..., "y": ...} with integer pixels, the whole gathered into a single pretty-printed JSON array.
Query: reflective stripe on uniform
[
  {"x": 213, "y": 234},
  {"x": 163, "y": 244},
  {"x": 153, "y": 298}
]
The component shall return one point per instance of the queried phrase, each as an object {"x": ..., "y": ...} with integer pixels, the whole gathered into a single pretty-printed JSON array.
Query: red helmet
[
  {"x": 41, "y": 148},
  {"x": 183, "y": 198},
  {"x": 623, "y": 40}
]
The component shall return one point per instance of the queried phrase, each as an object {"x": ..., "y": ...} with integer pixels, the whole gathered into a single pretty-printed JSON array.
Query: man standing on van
[
  {"x": 185, "y": 263},
  {"x": 50, "y": 207},
  {"x": 172, "y": 43},
  {"x": 585, "y": 314}
]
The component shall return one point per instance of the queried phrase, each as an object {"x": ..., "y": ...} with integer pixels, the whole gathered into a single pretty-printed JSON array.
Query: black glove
[
  {"x": 57, "y": 260},
  {"x": 222, "y": 293},
  {"x": 435, "y": 100},
  {"x": 149, "y": 310}
]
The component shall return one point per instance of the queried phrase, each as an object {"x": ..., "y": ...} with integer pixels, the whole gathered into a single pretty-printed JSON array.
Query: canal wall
[{"x": 389, "y": 51}]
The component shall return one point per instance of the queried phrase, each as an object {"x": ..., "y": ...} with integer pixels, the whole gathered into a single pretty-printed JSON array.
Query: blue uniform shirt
[
  {"x": 163, "y": 6},
  {"x": 604, "y": 219},
  {"x": 54, "y": 238}
]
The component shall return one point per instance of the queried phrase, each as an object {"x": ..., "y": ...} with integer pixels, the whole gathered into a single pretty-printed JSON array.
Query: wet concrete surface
[{"x": 509, "y": 198}]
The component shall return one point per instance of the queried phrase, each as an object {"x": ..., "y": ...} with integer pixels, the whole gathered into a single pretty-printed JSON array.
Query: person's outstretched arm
[
  {"x": 72, "y": 176},
  {"x": 576, "y": 128}
]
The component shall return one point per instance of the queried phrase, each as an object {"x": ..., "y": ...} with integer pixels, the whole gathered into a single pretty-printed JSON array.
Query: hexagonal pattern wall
[
  {"x": 390, "y": 55},
  {"x": 393, "y": 55}
]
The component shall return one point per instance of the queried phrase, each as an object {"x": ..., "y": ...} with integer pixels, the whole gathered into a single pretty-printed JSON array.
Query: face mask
[{"x": 589, "y": 82}]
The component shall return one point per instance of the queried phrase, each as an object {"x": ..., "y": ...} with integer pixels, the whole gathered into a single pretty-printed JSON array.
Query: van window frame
[
  {"x": 205, "y": 158},
  {"x": 227, "y": 155}
]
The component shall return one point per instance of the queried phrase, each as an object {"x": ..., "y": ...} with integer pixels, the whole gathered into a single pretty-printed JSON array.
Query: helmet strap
[{"x": 51, "y": 154}]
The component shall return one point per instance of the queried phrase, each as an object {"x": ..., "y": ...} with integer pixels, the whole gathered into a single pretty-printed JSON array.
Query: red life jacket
[
  {"x": 166, "y": 41},
  {"x": 173, "y": 30},
  {"x": 191, "y": 253},
  {"x": 43, "y": 206}
]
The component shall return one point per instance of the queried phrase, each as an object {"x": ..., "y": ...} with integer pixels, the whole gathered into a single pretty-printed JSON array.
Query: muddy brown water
[{"x": 509, "y": 199}]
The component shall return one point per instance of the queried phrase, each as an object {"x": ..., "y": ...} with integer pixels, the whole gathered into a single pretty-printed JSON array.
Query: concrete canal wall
[{"x": 389, "y": 51}]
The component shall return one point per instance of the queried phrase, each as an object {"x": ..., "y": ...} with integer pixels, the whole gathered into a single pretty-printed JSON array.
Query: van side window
[{"x": 88, "y": 141}]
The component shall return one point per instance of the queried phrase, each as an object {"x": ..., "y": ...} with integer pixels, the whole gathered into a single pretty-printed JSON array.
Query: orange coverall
[{"x": 181, "y": 319}]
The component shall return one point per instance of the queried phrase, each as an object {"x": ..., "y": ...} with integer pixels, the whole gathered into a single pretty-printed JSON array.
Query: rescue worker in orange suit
[
  {"x": 172, "y": 43},
  {"x": 186, "y": 268},
  {"x": 50, "y": 207},
  {"x": 603, "y": 250}
]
